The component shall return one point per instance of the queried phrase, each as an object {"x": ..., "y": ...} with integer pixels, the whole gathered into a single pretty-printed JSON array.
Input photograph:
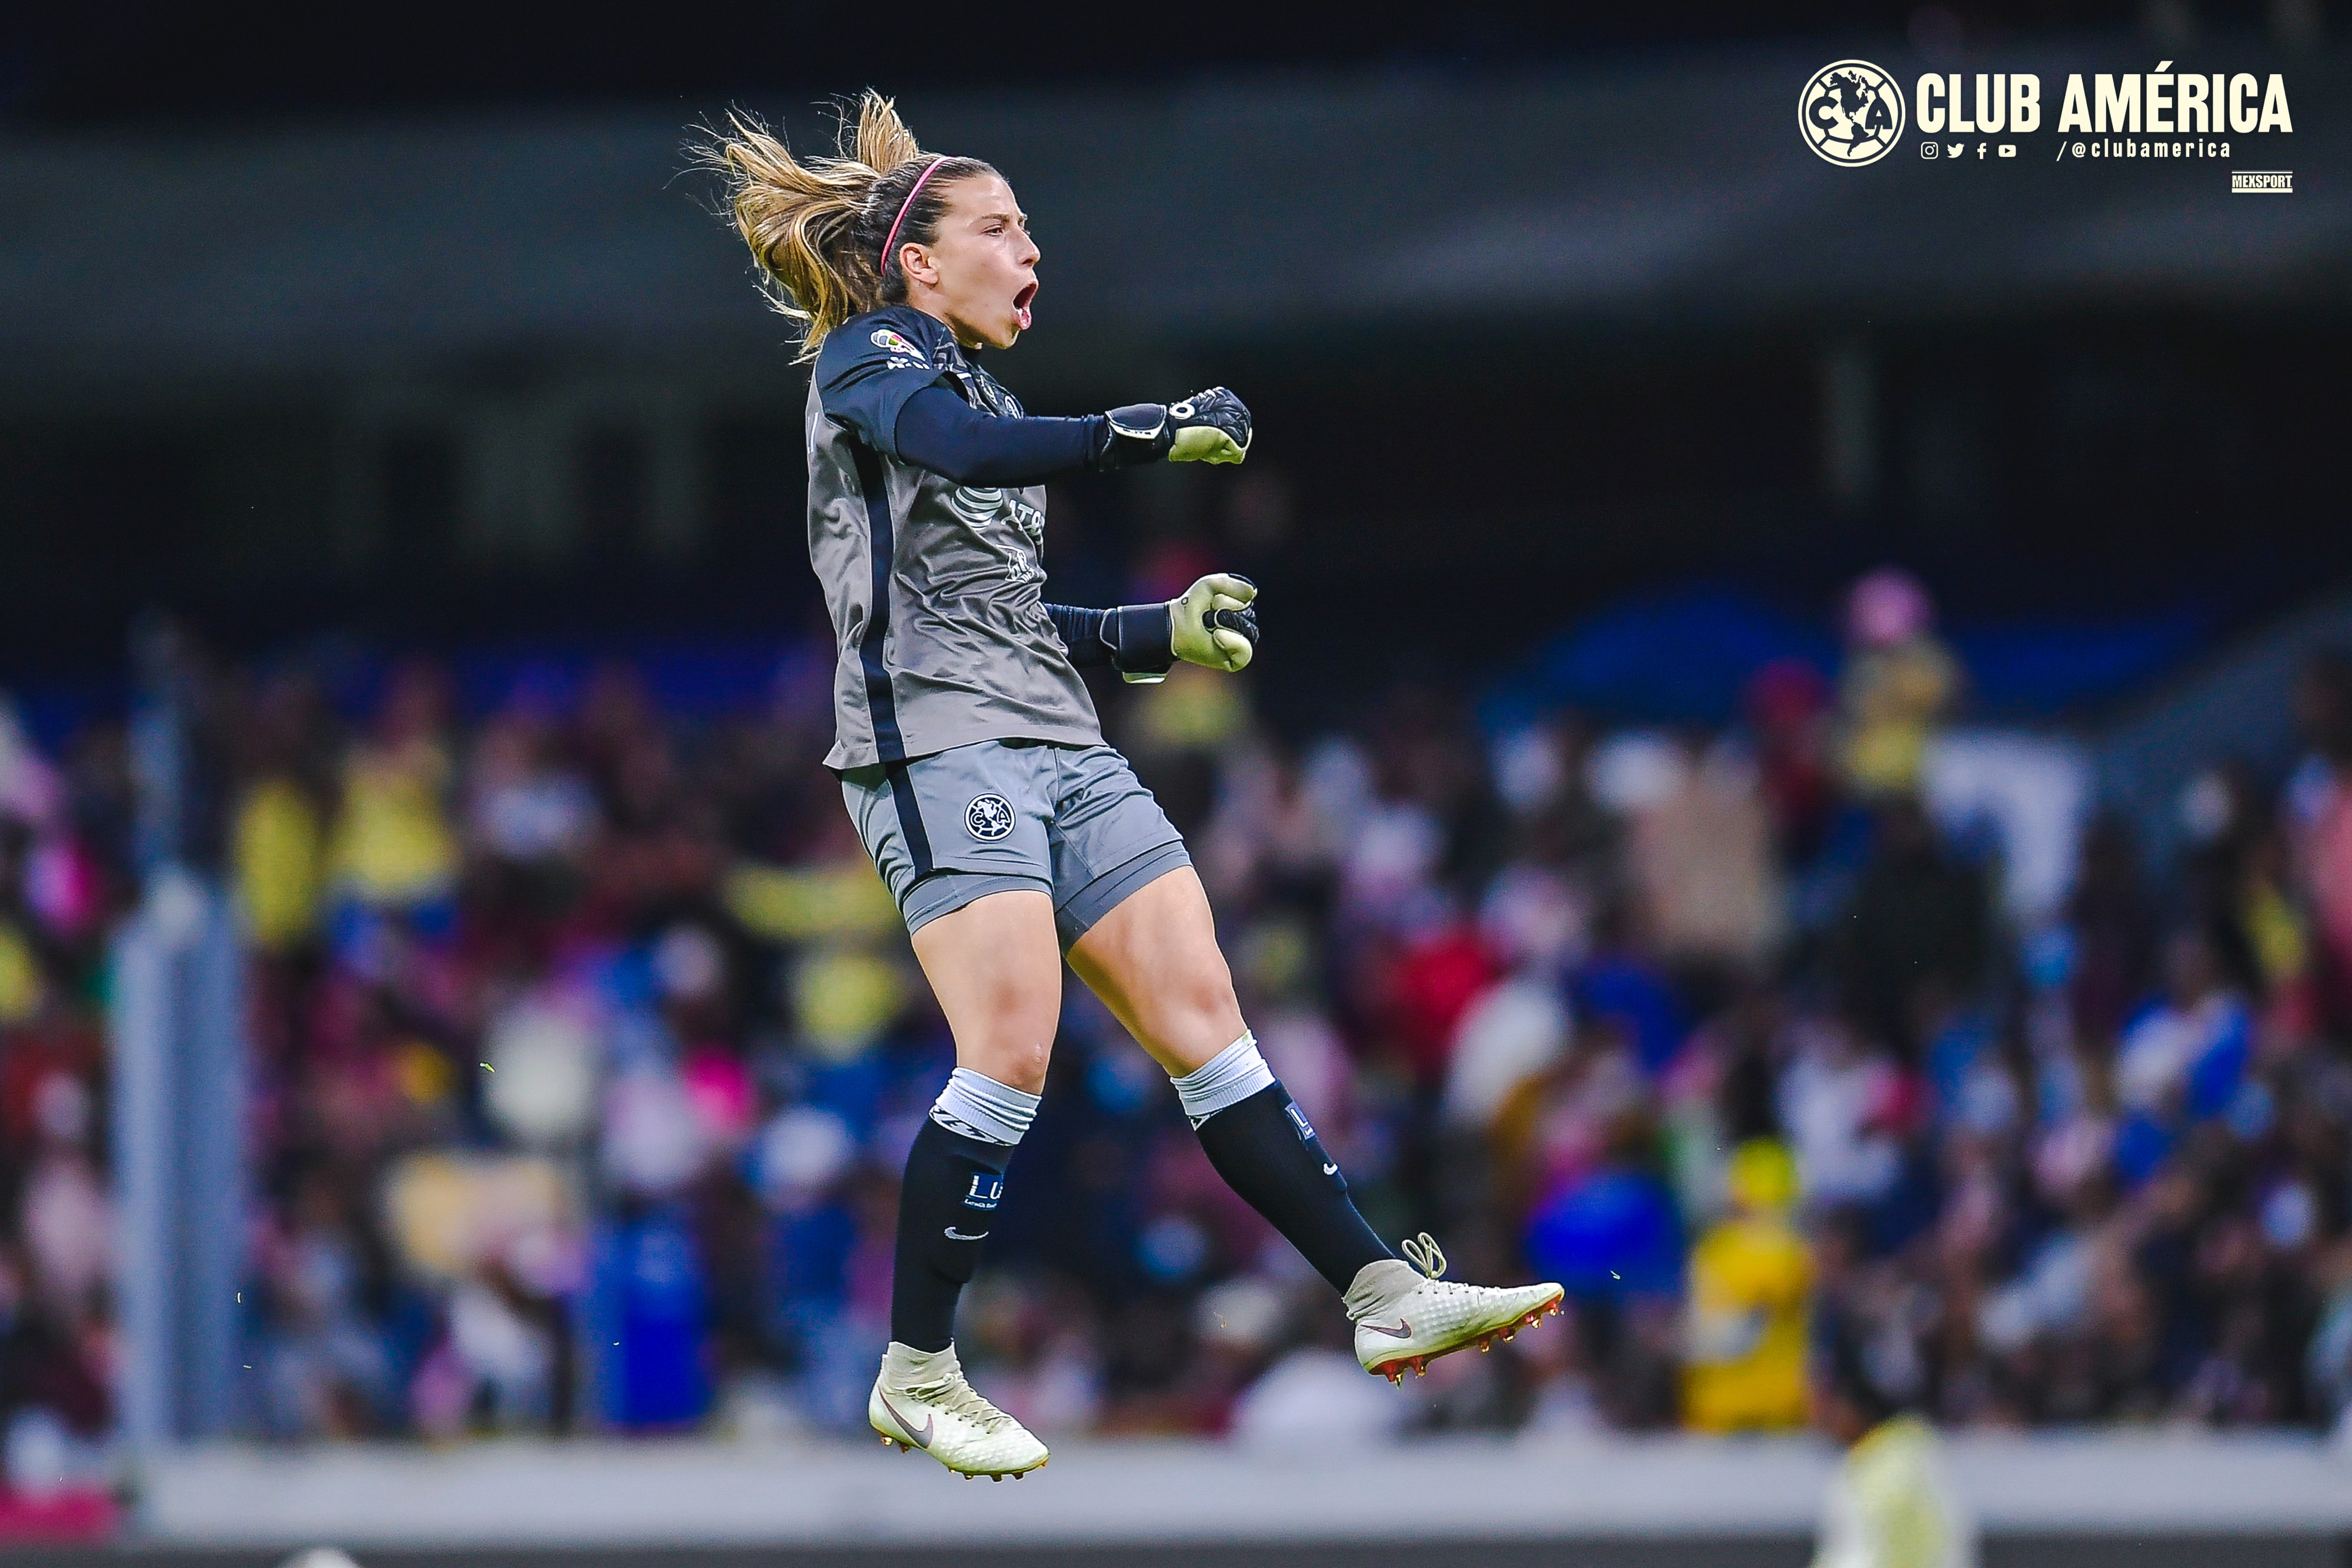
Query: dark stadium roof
[{"x": 1668, "y": 193}]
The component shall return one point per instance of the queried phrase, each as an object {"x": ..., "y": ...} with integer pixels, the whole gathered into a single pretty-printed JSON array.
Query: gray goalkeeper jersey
[{"x": 940, "y": 628}]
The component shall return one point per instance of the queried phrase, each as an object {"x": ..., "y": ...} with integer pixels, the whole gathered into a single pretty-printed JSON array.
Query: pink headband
[{"x": 922, "y": 180}]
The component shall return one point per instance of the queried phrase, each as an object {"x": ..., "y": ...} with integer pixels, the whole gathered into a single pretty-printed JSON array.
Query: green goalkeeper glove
[
  {"x": 1211, "y": 426},
  {"x": 1213, "y": 623}
]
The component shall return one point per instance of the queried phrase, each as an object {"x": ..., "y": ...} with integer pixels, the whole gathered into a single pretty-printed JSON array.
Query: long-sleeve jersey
[{"x": 933, "y": 569}]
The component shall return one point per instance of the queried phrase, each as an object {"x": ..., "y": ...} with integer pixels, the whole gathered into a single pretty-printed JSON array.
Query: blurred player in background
[
  {"x": 972, "y": 762},
  {"x": 1889, "y": 1504}
]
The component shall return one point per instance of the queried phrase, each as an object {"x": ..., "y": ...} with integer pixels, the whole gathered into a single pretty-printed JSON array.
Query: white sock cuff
[
  {"x": 1230, "y": 1077},
  {"x": 978, "y": 1106},
  {"x": 903, "y": 1364}
]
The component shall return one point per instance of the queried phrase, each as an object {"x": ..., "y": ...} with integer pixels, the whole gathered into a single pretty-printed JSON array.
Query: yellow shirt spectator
[
  {"x": 392, "y": 845},
  {"x": 1744, "y": 1365},
  {"x": 1895, "y": 698},
  {"x": 20, "y": 977},
  {"x": 278, "y": 863}
]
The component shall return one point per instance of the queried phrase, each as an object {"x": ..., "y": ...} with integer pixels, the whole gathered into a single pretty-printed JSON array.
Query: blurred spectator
[
  {"x": 276, "y": 855},
  {"x": 2110, "y": 946},
  {"x": 1846, "y": 1105},
  {"x": 56, "y": 1223},
  {"x": 1703, "y": 863},
  {"x": 587, "y": 1046},
  {"x": 279, "y": 837},
  {"x": 324, "y": 1371},
  {"x": 2319, "y": 806},
  {"x": 2184, "y": 1058},
  {"x": 1788, "y": 706},
  {"x": 1898, "y": 681},
  {"x": 1749, "y": 1279},
  {"x": 1917, "y": 933},
  {"x": 2019, "y": 800},
  {"x": 393, "y": 849}
]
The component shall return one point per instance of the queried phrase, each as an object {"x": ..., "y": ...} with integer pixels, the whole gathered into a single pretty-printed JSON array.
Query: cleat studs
[
  {"x": 886, "y": 1442},
  {"x": 996, "y": 1477}
]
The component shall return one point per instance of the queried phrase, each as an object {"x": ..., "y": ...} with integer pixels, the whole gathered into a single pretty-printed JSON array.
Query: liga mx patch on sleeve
[
  {"x": 1299, "y": 1120},
  {"x": 987, "y": 1192},
  {"x": 891, "y": 342}
]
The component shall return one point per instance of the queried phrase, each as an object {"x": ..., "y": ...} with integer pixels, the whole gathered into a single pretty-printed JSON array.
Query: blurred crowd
[{"x": 585, "y": 1048}]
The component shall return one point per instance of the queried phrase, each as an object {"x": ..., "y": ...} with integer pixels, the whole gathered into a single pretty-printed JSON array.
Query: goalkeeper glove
[
  {"x": 1210, "y": 426},
  {"x": 1214, "y": 624}
]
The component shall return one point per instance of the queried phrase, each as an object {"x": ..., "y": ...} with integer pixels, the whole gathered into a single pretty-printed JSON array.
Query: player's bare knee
[
  {"x": 1200, "y": 1020},
  {"x": 1211, "y": 997},
  {"x": 1021, "y": 1062}
]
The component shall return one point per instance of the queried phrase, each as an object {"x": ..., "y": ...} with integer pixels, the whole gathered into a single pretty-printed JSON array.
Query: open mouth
[{"x": 1021, "y": 303}]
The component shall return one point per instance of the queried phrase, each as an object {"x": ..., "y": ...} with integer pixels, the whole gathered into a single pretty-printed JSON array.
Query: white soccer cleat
[
  {"x": 1405, "y": 1319},
  {"x": 920, "y": 1400}
]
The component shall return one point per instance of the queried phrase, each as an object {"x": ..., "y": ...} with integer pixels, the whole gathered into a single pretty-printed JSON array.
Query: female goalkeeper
[{"x": 973, "y": 765}]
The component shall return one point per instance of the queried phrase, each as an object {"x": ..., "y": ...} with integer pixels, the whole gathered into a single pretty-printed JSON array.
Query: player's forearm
[
  {"x": 1134, "y": 639},
  {"x": 938, "y": 431},
  {"x": 1214, "y": 623}
]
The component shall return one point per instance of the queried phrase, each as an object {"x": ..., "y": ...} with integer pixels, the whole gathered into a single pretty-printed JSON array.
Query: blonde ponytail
[{"x": 816, "y": 230}]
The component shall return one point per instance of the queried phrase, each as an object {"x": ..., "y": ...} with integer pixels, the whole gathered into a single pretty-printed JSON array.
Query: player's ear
[{"x": 914, "y": 262}]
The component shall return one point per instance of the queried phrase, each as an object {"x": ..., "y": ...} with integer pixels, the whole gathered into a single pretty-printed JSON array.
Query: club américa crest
[
  {"x": 989, "y": 818},
  {"x": 1851, "y": 113}
]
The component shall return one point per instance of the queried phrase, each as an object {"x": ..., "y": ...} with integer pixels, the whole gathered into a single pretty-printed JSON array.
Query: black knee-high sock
[
  {"x": 946, "y": 1204},
  {"x": 1266, "y": 1152}
]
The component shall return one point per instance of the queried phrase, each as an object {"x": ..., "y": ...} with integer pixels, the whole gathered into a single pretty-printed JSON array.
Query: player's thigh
[
  {"x": 1153, "y": 959},
  {"x": 981, "y": 811},
  {"x": 996, "y": 968},
  {"x": 959, "y": 837}
]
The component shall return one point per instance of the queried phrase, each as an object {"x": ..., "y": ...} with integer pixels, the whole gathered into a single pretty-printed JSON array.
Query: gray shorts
[{"x": 1071, "y": 821}]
